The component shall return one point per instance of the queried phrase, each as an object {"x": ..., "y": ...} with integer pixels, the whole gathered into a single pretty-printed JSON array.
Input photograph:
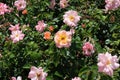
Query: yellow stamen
[
  {"x": 71, "y": 18},
  {"x": 108, "y": 62}
]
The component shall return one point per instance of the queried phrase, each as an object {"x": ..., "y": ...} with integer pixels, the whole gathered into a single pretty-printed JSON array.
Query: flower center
[
  {"x": 16, "y": 35},
  {"x": 108, "y": 62},
  {"x": 71, "y": 18},
  {"x": 65, "y": 3},
  {"x": 111, "y": 1},
  {"x": 63, "y": 37},
  {"x": 38, "y": 75}
]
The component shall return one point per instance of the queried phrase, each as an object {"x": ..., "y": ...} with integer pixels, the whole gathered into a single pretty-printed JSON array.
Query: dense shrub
[{"x": 67, "y": 55}]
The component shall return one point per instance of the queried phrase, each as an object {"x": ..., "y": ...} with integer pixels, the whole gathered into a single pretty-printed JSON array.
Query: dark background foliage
[{"x": 96, "y": 26}]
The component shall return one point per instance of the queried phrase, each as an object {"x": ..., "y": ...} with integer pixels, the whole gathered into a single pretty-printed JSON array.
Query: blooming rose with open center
[
  {"x": 112, "y": 4},
  {"x": 107, "y": 63},
  {"x": 20, "y": 4},
  {"x": 4, "y": 8},
  {"x": 76, "y": 78},
  {"x": 63, "y": 39},
  {"x": 37, "y": 73},
  {"x": 17, "y": 36},
  {"x": 71, "y": 18}
]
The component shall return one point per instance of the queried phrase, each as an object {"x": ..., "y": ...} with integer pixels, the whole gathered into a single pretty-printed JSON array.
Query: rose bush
[{"x": 59, "y": 39}]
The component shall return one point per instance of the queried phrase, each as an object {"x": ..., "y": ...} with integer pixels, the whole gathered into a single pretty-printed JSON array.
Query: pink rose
[
  {"x": 76, "y": 78},
  {"x": 63, "y": 3},
  {"x": 71, "y": 18},
  {"x": 20, "y": 4},
  {"x": 18, "y": 78},
  {"x": 112, "y": 4},
  {"x": 14, "y": 28},
  {"x": 107, "y": 63},
  {"x": 52, "y": 4},
  {"x": 17, "y": 36},
  {"x": 4, "y": 8},
  {"x": 88, "y": 49},
  {"x": 37, "y": 73},
  {"x": 41, "y": 26}
]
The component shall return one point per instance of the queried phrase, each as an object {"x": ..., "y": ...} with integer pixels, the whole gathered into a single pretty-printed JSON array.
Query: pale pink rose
[
  {"x": 0, "y": 55},
  {"x": 20, "y": 4},
  {"x": 107, "y": 63},
  {"x": 18, "y": 78},
  {"x": 14, "y": 28},
  {"x": 63, "y": 39},
  {"x": 52, "y": 4},
  {"x": 88, "y": 49},
  {"x": 41, "y": 26},
  {"x": 17, "y": 36},
  {"x": 37, "y": 73},
  {"x": 72, "y": 31},
  {"x": 76, "y": 78},
  {"x": 112, "y": 4},
  {"x": 4, "y": 8},
  {"x": 71, "y": 18},
  {"x": 63, "y": 3}
]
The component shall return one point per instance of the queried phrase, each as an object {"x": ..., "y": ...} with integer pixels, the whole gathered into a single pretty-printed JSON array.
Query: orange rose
[
  {"x": 51, "y": 28},
  {"x": 47, "y": 35},
  {"x": 24, "y": 12}
]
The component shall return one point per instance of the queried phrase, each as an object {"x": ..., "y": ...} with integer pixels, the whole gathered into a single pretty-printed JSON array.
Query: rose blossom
[
  {"x": 52, "y": 4},
  {"x": 51, "y": 28},
  {"x": 4, "y": 8},
  {"x": 18, "y": 78},
  {"x": 20, "y": 4},
  {"x": 17, "y": 36},
  {"x": 63, "y": 39},
  {"x": 107, "y": 63},
  {"x": 76, "y": 78},
  {"x": 47, "y": 35},
  {"x": 72, "y": 31},
  {"x": 37, "y": 73},
  {"x": 88, "y": 49},
  {"x": 41, "y": 26},
  {"x": 112, "y": 4},
  {"x": 63, "y": 3},
  {"x": 71, "y": 18},
  {"x": 14, "y": 28},
  {"x": 0, "y": 55}
]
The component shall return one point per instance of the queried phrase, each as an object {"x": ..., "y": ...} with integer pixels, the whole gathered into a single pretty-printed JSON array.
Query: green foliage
[{"x": 96, "y": 26}]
